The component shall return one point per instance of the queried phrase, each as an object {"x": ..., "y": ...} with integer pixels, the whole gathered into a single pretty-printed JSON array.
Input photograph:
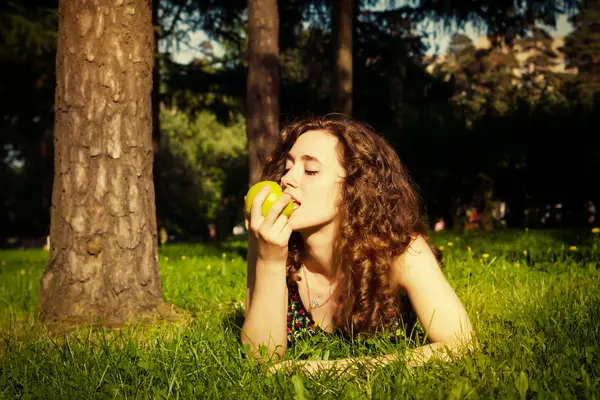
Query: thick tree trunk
[
  {"x": 156, "y": 80},
  {"x": 103, "y": 247},
  {"x": 263, "y": 84},
  {"x": 342, "y": 29}
]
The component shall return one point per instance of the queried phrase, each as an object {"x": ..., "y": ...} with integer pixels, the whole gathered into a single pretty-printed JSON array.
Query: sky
[{"x": 438, "y": 41}]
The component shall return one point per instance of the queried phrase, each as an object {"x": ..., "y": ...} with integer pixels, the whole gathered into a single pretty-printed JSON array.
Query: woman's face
[{"x": 314, "y": 177}]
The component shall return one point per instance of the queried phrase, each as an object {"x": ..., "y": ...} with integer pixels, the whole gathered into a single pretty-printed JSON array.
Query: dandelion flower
[
  {"x": 208, "y": 267},
  {"x": 183, "y": 257},
  {"x": 22, "y": 272},
  {"x": 450, "y": 244},
  {"x": 166, "y": 258},
  {"x": 524, "y": 252},
  {"x": 517, "y": 265},
  {"x": 224, "y": 255},
  {"x": 485, "y": 256},
  {"x": 441, "y": 248},
  {"x": 596, "y": 230},
  {"x": 573, "y": 248}
]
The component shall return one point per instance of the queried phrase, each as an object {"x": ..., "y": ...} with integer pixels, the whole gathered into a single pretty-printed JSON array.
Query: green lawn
[{"x": 533, "y": 297}]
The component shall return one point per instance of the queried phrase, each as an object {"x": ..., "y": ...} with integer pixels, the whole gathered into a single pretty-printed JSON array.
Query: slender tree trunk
[
  {"x": 262, "y": 124},
  {"x": 341, "y": 91},
  {"x": 103, "y": 247}
]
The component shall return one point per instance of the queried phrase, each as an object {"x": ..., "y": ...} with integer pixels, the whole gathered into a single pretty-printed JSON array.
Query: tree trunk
[
  {"x": 342, "y": 29},
  {"x": 156, "y": 80},
  {"x": 262, "y": 124},
  {"x": 103, "y": 247}
]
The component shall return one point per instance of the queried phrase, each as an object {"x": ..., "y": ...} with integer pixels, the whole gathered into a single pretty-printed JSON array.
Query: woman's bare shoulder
[{"x": 417, "y": 260}]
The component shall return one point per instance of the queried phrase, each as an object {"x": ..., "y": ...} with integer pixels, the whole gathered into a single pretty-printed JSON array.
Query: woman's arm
[
  {"x": 437, "y": 306},
  {"x": 251, "y": 270},
  {"x": 266, "y": 291},
  {"x": 265, "y": 322}
]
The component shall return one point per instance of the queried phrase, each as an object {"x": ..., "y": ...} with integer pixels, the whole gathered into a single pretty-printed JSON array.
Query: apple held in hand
[{"x": 276, "y": 193}]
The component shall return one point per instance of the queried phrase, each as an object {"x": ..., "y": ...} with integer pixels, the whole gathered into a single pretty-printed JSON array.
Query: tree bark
[
  {"x": 103, "y": 248},
  {"x": 262, "y": 123},
  {"x": 342, "y": 29},
  {"x": 156, "y": 80}
]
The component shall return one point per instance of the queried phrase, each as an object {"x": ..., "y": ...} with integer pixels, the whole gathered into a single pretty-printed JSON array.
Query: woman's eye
[{"x": 285, "y": 171}]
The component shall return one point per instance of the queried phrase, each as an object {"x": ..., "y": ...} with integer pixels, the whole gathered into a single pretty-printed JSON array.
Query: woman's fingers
[
  {"x": 256, "y": 217},
  {"x": 280, "y": 224},
  {"x": 276, "y": 210}
]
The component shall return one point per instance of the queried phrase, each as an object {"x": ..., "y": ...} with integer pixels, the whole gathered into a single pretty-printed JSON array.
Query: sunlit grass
[{"x": 533, "y": 297}]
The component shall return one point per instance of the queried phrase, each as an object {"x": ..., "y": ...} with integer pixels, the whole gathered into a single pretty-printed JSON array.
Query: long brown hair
[{"x": 380, "y": 212}]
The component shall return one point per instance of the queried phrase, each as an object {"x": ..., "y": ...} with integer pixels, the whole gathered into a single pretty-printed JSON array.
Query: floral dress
[
  {"x": 299, "y": 321},
  {"x": 301, "y": 325}
]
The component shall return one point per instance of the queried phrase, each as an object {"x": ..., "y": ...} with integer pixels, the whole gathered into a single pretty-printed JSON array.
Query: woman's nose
[{"x": 288, "y": 180}]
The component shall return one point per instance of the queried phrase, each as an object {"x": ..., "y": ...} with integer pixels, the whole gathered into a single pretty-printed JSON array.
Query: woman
[{"x": 353, "y": 256}]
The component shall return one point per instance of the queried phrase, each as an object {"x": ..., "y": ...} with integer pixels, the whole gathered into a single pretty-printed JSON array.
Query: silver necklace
[{"x": 315, "y": 302}]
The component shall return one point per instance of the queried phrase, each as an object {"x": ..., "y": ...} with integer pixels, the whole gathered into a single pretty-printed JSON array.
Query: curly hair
[{"x": 380, "y": 213}]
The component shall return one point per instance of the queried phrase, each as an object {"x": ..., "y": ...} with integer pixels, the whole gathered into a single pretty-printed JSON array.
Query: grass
[{"x": 534, "y": 300}]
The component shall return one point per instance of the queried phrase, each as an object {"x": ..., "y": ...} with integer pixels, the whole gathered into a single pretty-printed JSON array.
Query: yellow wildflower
[
  {"x": 208, "y": 267},
  {"x": 517, "y": 265},
  {"x": 224, "y": 255},
  {"x": 166, "y": 258},
  {"x": 183, "y": 257},
  {"x": 22, "y": 272},
  {"x": 450, "y": 244},
  {"x": 485, "y": 256},
  {"x": 524, "y": 252},
  {"x": 441, "y": 248},
  {"x": 573, "y": 248},
  {"x": 469, "y": 249},
  {"x": 596, "y": 230}
]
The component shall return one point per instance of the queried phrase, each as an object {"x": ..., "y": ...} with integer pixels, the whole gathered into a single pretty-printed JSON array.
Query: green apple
[{"x": 276, "y": 193}]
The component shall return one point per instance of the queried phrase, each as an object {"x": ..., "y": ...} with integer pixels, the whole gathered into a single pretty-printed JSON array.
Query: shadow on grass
[{"x": 233, "y": 321}]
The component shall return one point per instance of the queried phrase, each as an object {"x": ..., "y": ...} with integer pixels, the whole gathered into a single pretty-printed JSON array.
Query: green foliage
[
  {"x": 26, "y": 31},
  {"x": 201, "y": 165},
  {"x": 532, "y": 297},
  {"x": 582, "y": 49}
]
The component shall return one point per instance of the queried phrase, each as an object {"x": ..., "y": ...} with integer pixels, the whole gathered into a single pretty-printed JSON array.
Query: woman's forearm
[
  {"x": 413, "y": 358},
  {"x": 265, "y": 323},
  {"x": 251, "y": 271}
]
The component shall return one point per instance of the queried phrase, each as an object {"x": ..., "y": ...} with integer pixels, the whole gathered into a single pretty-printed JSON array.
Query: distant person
[
  {"x": 499, "y": 214},
  {"x": 440, "y": 225},
  {"x": 353, "y": 257},
  {"x": 591, "y": 212},
  {"x": 473, "y": 219}
]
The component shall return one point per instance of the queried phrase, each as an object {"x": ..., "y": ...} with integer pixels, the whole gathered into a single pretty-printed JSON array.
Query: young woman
[{"x": 353, "y": 256}]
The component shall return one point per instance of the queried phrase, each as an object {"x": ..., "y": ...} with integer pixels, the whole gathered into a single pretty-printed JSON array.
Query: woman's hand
[{"x": 271, "y": 232}]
